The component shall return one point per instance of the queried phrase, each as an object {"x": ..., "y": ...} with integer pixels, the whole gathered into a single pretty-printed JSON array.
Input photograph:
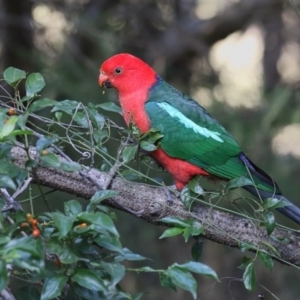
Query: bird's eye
[{"x": 118, "y": 71}]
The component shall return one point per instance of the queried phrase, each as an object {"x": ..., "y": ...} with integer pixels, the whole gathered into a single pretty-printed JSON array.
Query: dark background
[{"x": 239, "y": 59}]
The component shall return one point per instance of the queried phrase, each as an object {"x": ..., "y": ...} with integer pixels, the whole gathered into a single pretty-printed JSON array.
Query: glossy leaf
[
  {"x": 72, "y": 208},
  {"x": 245, "y": 262},
  {"x": 63, "y": 223},
  {"x": 238, "y": 182},
  {"x": 88, "y": 278},
  {"x": 109, "y": 243},
  {"x": 199, "y": 268},
  {"x": 171, "y": 232},
  {"x": 102, "y": 195},
  {"x": 9, "y": 126},
  {"x": 115, "y": 270},
  {"x": 269, "y": 221},
  {"x": 197, "y": 250},
  {"x": 40, "y": 104},
  {"x": 65, "y": 254},
  {"x": 128, "y": 255},
  {"x": 148, "y": 146},
  {"x": 99, "y": 219},
  {"x": 50, "y": 160},
  {"x": 245, "y": 246},
  {"x": 274, "y": 203},
  {"x": 183, "y": 279},
  {"x": 70, "y": 166},
  {"x": 266, "y": 260},
  {"x": 53, "y": 286},
  {"x": 34, "y": 83},
  {"x": 43, "y": 143},
  {"x": 110, "y": 106},
  {"x": 13, "y": 76},
  {"x": 249, "y": 277},
  {"x": 174, "y": 221},
  {"x": 7, "y": 182},
  {"x": 166, "y": 281},
  {"x": 129, "y": 152},
  {"x": 67, "y": 106}
]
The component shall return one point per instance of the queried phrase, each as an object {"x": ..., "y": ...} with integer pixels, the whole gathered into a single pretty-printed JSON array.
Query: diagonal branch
[{"x": 152, "y": 205}]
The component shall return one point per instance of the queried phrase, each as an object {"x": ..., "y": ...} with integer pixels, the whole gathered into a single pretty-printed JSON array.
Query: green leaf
[
  {"x": 99, "y": 219},
  {"x": 9, "y": 126},
  {"x": 249, "y": 277},
  {"x": 81, "y": 119},
  {"x": 238, "y": 182},
  {"x": 34, "y": 84},
  {"x": 195, "y": 186},
  {"x": 69, "y": 166},
  {"x": 171, "y": 232},
  {"x": 245, "y": 262},
  {"x": 128, "y": 255},
  {"x": 175, "y": 221},
  {"x": 115, "y": 270},
  {"x": 3, "y": 275},
  {"x": 40, "y": 104},
  {"x": 186, "y": 198},
  {"x": 7, "y": 182},
  {"x": 271, "y": 247},
  {"x": 199, "y": 268},
  {"x": 43, "y": 143},
  {"x": 88, "y": 278},
  {"x": 148, "y": 146},
  {"x": 195, "y": 228},
  {"x": 109, "y": 243},
  {"x": 129, "y": 152},
  {"x": 183, "y": 279},
  {"x": 53, "y": 286},
  {"x": 22, "y": 120},
  {"x": 110, "y": 106},
  {"x": 166, "y": 281},
  {"x": 65, "y": 254},
  {"x": 269, "y": 221},
  {"x": 102, "y": 195},
  {"x": 274, "y": 203},
  {"x": 13, "y": 76},
  {"x": 50, "y": 160},
  {"x": 66, "y": 105},
  {"x": 72, "y": 208},
  {"x": 245, "y": 246},
  {"x": 97, "y": 119},
  {"x": 197, "y": 249},
  {"x": 63, "y": 223},
  {"x": 266, "y": 260}
]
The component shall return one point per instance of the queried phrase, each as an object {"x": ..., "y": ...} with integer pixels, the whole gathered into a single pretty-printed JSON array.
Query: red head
[{"x": 126, "y": 73}]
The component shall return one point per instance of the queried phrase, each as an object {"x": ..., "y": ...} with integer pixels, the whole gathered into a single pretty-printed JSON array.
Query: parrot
[{"x": 193, "y": 143}]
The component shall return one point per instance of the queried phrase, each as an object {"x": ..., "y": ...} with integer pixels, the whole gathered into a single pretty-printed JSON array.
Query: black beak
[{"x": 107, "y": 84}]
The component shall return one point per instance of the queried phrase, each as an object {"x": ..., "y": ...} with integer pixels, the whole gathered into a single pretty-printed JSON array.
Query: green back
[{"x": 192, "y": 134}]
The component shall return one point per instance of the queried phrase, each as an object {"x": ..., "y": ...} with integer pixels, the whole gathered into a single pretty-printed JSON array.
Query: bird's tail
[
  {"x": 290, "y": 210},
  {"x": 265, "y": 187}
]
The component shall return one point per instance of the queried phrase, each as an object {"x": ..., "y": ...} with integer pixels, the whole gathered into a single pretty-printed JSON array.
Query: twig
[
  {"x": 21, "y": 189},
  {"x": 10, "y": 202}
]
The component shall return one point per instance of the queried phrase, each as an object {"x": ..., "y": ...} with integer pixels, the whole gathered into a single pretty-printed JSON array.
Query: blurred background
[{"x": 239, "y": 59}]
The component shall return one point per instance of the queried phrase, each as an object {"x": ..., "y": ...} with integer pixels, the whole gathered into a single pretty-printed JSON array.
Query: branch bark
[{"x": 151, "y": 204}]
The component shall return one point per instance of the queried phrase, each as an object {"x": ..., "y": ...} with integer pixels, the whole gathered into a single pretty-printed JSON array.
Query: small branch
[
  {"x": 6, "y": 295},
  {"x": 10, "y": 202}
]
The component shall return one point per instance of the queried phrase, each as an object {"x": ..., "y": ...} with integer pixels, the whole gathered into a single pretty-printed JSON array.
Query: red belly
[{"x": 181, "y": 170}]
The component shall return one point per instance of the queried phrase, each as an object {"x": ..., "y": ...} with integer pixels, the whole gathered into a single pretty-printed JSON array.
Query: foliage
[{"x": 76, "y": 252}]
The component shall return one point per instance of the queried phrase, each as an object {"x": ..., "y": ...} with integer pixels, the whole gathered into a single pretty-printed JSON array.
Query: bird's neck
[{"x": 133, "y": 108}]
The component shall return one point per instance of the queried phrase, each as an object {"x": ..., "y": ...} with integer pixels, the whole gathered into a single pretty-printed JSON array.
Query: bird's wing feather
[{"x": 191, "y": 134}]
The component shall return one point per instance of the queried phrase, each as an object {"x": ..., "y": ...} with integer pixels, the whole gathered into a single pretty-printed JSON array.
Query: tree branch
[{"x": 152, "y": 205}]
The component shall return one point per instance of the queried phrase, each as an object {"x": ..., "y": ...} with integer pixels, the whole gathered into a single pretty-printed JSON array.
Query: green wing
[{"x": 191, "y": 134}]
